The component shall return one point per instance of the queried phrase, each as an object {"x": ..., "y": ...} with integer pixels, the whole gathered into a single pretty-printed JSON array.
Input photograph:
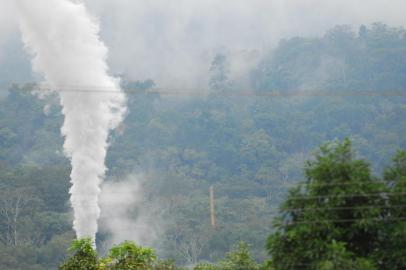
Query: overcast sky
[{"x": 172, "y": 40}]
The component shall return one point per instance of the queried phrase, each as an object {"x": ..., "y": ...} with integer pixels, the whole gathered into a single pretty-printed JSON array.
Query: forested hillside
[
  {"x": 345, "y": 84},
  {"x": 340, "y": 217}
]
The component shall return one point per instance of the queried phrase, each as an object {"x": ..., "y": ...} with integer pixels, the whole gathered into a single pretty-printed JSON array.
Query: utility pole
[{"x": 212, "y": 212}]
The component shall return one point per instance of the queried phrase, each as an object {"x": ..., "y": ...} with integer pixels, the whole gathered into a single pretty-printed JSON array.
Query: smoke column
[{"x": 64, "y": 42}]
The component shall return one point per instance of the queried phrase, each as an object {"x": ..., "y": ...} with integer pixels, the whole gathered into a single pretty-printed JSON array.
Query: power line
[
  {"x": 367, "y": 195},
  {"x": 401, "y": 206},
  {"x": 339, "y": 184},
  {"x": 206, "y": 92},
  {"x": 301, "y": 183},
  {"x": 320, "y": 221},
  {"x": 312, "y": 197},
  {"x": 281, "y": 210}
]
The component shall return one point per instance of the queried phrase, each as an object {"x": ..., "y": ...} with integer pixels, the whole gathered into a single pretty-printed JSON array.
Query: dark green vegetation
[
  {"x": 342, "y": 217},
  {"x": 129, "y": 256},
  {"x": 250, "y": 148}
]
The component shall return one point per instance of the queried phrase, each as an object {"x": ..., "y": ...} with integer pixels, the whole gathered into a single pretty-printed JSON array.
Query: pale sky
[{"x": 173, "y": 39}]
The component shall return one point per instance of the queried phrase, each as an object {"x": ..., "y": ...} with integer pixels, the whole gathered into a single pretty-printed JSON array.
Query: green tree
[
  {"x": 335, "y": 219},
  {"x": 125, "y": 256},
  {"x": 167, "y": 265},
  {"x": 239, "y": 259},
  {"x": 129, "y": 256},
  {"x": 84, "y": 256},
  {"x": 219, "y": 72},
  {"x": 206, "y": 266},
  {"x": 393, "y": 251}
]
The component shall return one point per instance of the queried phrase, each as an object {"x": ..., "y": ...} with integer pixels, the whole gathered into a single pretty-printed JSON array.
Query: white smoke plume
[
  {"x": 173, "y": 42},
  {"x": 64, "y": 42},
  {"x": 128, "y": 215}
]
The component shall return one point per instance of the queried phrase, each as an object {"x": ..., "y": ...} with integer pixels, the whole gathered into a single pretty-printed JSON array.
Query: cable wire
[
  {"x": 320, "y": 221},
  {"x": 367, "y": 195},
  {"x": 206, "y": 92},
  {"x": 401, "y": 206}
]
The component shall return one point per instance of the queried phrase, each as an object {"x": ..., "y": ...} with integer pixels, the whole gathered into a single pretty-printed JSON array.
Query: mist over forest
[{"x": 242, "y": 108}]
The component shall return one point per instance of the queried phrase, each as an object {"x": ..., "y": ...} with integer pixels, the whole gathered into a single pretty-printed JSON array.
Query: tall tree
[
  {"x": 334, "y": 219},
  {"x": 84, "y": 256},
  {"x": 393, "y": 250}
]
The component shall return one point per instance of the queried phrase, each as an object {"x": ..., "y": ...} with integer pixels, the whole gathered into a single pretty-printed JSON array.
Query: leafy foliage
[
  {"x": 395, "y": 175},
  {"x": 250, "y": 148},
  {"x": 339, "y": 218},
  {"x": 130, "y": 256},
  {"x": 84, "y": 256},
  {"x": 239, "y": 259}
]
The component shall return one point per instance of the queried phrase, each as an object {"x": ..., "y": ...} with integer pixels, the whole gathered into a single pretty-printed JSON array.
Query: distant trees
[
  {"x": 34, "y": 229},
  {"x": 219, "y": 72},
  {"x": 342, "y": 217},
  {"x": 14, "y": 204},
  {"x": 125, "y": 256},
  {"x": 239, "y": 258},
  {"x": 250, "y": 148},
  {"x": 373, "y": 59},
  {"x": 129, "y": 256}
]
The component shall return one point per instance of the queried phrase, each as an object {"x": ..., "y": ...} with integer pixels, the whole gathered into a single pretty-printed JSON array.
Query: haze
[{"x": 147, "y": 38}]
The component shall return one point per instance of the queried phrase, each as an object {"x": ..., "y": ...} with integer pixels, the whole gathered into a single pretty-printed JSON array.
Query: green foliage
[
  {"x": 130, "y": 256},
  {"x": 206, "y": 266},
  {"x": 84, "y": 256},
  {"x": 166, "y": 265},
  {"x": 219, "y": 71},
  {"x": 393, "y": 251},
  {"x": 125, "y": 256},
  {"x": 338, "y": 257},
  {"x": 357, "y": 62},
  {"x": 250, "y": 148},
  {"x": 239, "y": 259},
  {"x": 338, "y": 218}
]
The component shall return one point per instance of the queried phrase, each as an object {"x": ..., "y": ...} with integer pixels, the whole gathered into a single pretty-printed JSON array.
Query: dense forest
[
  {"x": 341, "y": 217},
  {"x": 251, "y": 149}
]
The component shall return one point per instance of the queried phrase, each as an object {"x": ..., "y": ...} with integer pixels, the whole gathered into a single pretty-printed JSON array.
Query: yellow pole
[{"x": 212, "y": 213}]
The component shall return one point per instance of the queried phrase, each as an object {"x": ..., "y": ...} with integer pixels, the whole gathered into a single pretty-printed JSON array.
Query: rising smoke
[
  {"x": 171, "y": 42},
  {"x": 63, "y": 40},
  {"x": 128, "y": 215}
]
